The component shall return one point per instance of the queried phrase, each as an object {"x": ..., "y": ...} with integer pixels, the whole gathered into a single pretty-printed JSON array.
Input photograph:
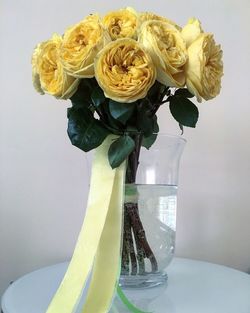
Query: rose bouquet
[{"x": 118, "y": 71}]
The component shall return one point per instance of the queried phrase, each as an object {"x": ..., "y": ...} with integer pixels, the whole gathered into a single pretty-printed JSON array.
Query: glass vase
[{"x": 149, "y": 223}]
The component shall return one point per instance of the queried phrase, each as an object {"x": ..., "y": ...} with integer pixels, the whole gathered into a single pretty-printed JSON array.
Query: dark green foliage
[
  {"x": 120, "y": 149},
  {"x": 82, "y": 96},
  {"x": 155, "y": 92},
  {"x": 146, "y": 123},
  {"x": 184, "y": 92},
  {"x": 183, "y": 110},
  {"x": 87, "y": 131},
  {"x": 147, "y": 142},
  {"x": 84, "y": 131},
  {"x": 121, "y": 111},
  {"x": 97, "y": 96}
]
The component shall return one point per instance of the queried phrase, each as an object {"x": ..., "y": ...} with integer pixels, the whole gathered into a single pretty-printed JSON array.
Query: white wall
[{"x": 43, "y": 179}]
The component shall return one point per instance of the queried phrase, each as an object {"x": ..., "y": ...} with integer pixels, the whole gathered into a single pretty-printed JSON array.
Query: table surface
[{"x": 193, "y": 287}]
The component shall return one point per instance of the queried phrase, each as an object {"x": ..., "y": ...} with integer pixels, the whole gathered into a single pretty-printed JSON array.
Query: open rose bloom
[{"x": 181, "y": 57}]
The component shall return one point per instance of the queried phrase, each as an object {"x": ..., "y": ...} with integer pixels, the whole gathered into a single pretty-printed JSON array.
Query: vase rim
[
  {"x": 163, "y": 134},
  {"x": 179, "y": 137}
]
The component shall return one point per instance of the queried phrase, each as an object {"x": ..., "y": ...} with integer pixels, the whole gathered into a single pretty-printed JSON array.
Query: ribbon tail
[
  {"x": 101, "y": 186},
  {"x": 106, "y": 269}
]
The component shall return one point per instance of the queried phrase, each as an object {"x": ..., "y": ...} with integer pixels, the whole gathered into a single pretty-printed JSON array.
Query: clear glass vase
[{"x": 150, "y": 212}]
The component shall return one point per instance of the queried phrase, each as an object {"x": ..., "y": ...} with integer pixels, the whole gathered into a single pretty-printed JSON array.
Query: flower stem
[{"x": 135, "y": 245}]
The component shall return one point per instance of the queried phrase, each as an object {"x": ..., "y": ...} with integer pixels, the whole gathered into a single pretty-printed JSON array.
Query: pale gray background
[{"x": 44, "y": 180}]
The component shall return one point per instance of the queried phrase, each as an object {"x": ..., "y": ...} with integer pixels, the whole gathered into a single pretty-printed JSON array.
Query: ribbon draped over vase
[{"x": 98, "y": 248}]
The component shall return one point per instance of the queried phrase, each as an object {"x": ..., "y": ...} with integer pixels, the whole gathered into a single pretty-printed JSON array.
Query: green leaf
[
  {"x": 155, "y": 91},
  {"x": 184, "y": 92},
  {"x": 82, "y": 95},
  {"x": 121, "y": 111},
  {"x": 184, "y": 111},
  {"x": 84, "y": 131},
  {"x": 147, "y": 142},
  {"x": 131, "y": 129},
  {"x": 98, "y": 96},
  {"x": 120, "y": 150},
  {"x": 145, "y": 123}
]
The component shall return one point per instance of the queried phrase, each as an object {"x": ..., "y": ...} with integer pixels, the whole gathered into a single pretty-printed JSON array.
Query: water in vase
[{"x": 157, "y": 214}]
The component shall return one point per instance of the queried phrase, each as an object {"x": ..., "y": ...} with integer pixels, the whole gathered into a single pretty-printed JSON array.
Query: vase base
[{"x": 143, "y": 281}]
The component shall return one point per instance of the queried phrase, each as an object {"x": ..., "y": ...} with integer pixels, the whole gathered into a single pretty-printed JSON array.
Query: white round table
[{"x": 193, "y": 287}]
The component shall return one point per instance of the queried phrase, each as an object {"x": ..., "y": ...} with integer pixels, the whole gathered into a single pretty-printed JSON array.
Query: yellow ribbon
[
  {"x": 102, "y": 224},
  {"x": 107, "y": 265}
]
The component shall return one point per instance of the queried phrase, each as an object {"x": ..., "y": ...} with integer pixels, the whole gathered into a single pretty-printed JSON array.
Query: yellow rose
[
  {"x": 167, "y": 49},
  {"x": 80, "y": 45},
  {"x": 191, "y": 31},
  {"x": 35, "y": 74},
  {"x": 204, "y": 68},
  {"x": 47, "y": 71},
  {"x": 147, "y": 16},
  {"x": 124, "y": 70},
  {"x": 121, "y": 23}
]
